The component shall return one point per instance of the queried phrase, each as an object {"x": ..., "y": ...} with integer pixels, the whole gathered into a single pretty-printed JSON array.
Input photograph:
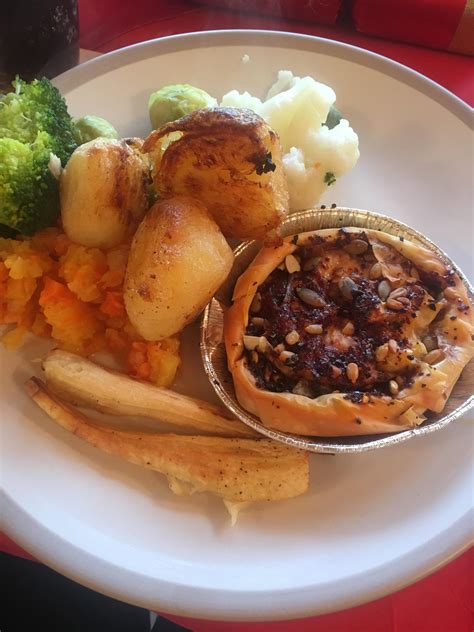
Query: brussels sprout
[
  {"x": 90, "y": 127},
  {"x": 173, "y": 102}
]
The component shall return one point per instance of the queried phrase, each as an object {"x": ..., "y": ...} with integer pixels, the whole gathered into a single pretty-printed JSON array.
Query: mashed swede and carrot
[{"x": 56, "y": 289}]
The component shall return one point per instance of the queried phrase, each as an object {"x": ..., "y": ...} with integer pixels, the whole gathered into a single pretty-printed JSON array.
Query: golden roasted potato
[
  {"x": 85, "y": 383},
  {"x": 230, "y": 160},
  {"x": 177, "y": 261},
  {"x": 237, "y": 470},
  {"x": 103, "y": 192}
]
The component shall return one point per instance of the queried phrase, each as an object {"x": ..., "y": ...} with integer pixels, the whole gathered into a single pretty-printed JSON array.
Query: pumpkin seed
[
  {"x": 393, "y": 303},
  {"x": 356, "y": 247},
  {"x": 375, "y": 271},
  {"x": 310, "y": 297},
  {"x": 347, "y": 287},
  {"x": 400, "y": 291},
  {"x": 383, "y": 289},
  {"x": 435, "y": 356}
]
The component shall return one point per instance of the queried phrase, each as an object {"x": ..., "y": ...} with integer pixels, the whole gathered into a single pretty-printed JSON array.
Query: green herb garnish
[{"x": 329, "y": 178}]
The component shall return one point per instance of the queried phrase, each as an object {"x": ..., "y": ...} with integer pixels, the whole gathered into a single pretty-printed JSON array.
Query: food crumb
[{"x": 245, "y": 59}]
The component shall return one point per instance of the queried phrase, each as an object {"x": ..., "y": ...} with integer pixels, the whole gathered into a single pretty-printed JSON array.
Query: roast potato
[
  {"x": 177, "y": 261},
  {"x": 229, "y": 159},
  {"x": 103, "y": 192}
]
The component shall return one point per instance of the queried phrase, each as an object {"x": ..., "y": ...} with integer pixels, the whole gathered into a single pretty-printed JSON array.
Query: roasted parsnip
[
  {"x": 237, "y": 470},
  {"x": 83, "y": 382}
]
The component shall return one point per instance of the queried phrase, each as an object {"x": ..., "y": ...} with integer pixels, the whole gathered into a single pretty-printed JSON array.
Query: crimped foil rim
[{"x": 212, "y": 346}]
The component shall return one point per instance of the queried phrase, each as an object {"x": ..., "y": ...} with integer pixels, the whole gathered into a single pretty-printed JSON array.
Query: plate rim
[
  {"x": 106, "y": 62},
  {"x": 357, "y": 589},
  {"x": 46, "y": 545}
]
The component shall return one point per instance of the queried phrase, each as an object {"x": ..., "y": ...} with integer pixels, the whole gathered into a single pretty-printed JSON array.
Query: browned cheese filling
[{"x": 327, "y": 320}]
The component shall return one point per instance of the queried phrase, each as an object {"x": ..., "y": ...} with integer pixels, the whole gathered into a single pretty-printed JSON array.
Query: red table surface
[
  {"x": 108, "y": 25},
  {"x": 442, "y": 602}
]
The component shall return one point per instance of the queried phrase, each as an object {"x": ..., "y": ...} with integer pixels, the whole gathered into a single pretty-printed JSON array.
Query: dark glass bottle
[{"x": 37, "y": 38}]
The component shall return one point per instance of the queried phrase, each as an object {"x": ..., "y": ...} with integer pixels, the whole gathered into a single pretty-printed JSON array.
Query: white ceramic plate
[{"x": 371, "y": 523}]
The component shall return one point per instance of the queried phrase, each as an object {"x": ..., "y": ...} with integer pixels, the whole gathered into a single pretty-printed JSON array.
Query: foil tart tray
[{"x": 214, "y": 355}]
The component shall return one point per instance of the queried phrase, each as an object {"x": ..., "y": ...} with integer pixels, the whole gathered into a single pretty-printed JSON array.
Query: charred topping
[
  {"x": 436, "y": 283},
  {"x": 263, "y": 164},
  {"x": 328, "y": 326}
]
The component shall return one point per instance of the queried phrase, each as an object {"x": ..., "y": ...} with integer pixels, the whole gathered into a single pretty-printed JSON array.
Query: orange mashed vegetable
[{"x": 57, "y": 289}]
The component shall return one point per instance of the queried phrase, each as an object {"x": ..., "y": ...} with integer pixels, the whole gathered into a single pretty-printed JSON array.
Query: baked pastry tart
[{"x": 341, "y": 332}]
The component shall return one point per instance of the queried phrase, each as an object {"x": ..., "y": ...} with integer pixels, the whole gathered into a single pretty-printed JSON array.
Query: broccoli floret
[
  {"x": 37, "y": 107},
  {"x": 29, "y": 199},
  {"x": 36, "y": 138}
]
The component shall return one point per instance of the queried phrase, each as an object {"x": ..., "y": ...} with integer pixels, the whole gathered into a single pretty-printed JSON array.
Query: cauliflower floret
[
  {"x": 286, "y": 80},
  {"x": 235, "y": 99},
  {"x": 324, "y": 156},
  {"x": 305, "y": 184},
  {"x": 294, "y": 112},
  {"x": 337, "y": 149},
  {"x": 314, "y": 155}
]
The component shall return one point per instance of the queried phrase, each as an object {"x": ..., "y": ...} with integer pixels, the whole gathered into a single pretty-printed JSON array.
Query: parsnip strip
[
  {"x": 237, "y": 470},
  {"x": 83, "y": 382}
]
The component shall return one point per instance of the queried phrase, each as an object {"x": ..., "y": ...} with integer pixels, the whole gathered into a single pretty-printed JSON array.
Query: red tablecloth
[
  {"x": 108, "y": 25},
  {"x": 442, "y": 602}
]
